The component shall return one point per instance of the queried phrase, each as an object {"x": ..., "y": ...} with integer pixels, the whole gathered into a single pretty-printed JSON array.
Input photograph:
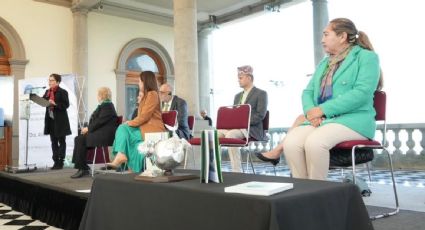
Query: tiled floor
[
  {"x": 11, "y": 220},
  {"x": 410, "y": 186}
]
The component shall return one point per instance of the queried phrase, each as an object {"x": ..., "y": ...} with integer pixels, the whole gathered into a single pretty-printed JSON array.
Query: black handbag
[{"x": 342, "y": 157}]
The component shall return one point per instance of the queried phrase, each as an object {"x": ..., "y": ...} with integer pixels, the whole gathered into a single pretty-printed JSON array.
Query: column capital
[
  {"x": 205, "y": 32},
  {"x": 80, "y": 10},
  {"x": 120, "y": 73},
  {"x": 18, "y": 62}
]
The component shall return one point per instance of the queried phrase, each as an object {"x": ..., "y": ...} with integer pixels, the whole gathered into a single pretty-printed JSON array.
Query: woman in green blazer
[{"x": 337, "y": 102}]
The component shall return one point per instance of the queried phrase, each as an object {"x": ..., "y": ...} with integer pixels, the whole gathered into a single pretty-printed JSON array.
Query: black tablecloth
[{"x": 120, "y": 202}]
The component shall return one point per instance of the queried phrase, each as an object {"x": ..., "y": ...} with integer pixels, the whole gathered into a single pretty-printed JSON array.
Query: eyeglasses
[{"x": 164, "y": 92}]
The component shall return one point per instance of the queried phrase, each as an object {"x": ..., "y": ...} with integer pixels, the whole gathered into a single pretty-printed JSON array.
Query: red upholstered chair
[
  {"x": 91, "y": 154},
  {"x": 170, "y": 118},
  {"x": 191, "y": 123},
  {"x": 231, "y": 117},
  {"x": 359, "y": 150}
]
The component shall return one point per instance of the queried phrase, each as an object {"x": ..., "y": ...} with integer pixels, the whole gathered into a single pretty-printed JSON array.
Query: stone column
[
  {"x": 80, "y": 55},
  {"x": 17, "y": 68},
  {"x": 186, "y": 53},
  {"x": 320, "y": 20},
  {"x": 204, "y": 70}
]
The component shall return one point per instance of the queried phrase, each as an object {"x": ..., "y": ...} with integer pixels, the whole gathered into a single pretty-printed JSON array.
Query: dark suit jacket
[
  {"x": 61, "y": 121},
  {"x": 258, "y": 100},
  {"x": 102, "y": 126},
  {"x": 207, "y": 118},
  {"x": 180, "y": 105}
]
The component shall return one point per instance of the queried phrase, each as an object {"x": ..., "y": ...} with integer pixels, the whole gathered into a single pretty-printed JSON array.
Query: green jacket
[{"x": 354, "y": 84}]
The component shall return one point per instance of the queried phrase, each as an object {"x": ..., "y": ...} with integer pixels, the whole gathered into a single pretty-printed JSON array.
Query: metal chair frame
[
  {"x": 253, "y": 142},
  {"x": 380, "y": 107},
  {"x": 119, "y": 121},
  {"x": 191, "y": 122}
]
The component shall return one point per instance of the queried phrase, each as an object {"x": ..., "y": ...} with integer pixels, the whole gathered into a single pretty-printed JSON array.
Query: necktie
[{"x": 166, "y": 107}]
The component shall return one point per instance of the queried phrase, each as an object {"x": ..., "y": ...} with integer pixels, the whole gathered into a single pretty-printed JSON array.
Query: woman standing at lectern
[{"x": 56, "y": 121}]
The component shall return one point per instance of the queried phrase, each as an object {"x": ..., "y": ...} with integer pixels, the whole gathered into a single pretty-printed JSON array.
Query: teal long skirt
[{"x": 126, "y": 141}]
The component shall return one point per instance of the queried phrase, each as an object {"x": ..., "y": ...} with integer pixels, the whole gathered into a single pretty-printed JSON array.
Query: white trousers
[
  {"x": 234, "y": 153},
  {"x": 306, "y": 148}
]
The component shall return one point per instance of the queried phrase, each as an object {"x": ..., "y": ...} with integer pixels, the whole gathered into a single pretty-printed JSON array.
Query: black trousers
[
  {"x": 79, "y": 156},
  {"x": 58, "y": 149}
]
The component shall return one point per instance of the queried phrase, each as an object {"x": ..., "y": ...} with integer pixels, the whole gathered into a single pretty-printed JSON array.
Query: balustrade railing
[{"x": 406, "y": 143}]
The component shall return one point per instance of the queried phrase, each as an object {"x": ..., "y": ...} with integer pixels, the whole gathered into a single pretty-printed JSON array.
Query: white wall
[
  {"x": 107, "y": 37},
  {"x": 46, "y": 32}
]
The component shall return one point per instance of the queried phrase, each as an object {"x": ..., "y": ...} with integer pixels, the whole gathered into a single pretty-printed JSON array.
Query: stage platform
[{"x": 50, "y": 196}]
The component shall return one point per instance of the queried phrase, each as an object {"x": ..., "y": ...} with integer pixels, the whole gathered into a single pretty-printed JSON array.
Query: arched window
[
  {"x": 4, "y": 56},
  {"x": 141, "y": 59},
  {"x": 138, "y": 55},
  {"x": 2, "y": 53}
]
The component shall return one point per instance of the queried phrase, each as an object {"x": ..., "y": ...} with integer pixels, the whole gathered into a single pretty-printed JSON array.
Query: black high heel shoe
[
  {"x": 109, "y": 166},
  {"x": 274, "y": 162}
]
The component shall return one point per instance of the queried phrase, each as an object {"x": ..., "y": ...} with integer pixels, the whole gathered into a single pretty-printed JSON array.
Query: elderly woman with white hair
[{"x": 100, "y": 131}]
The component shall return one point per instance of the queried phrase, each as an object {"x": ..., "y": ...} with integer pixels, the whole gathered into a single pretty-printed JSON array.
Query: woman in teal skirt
[{"x": 148, "y": 120}]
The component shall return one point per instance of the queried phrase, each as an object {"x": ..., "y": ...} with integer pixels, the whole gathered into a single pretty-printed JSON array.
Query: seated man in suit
[
  {"x": 173, "y": 102},
  {"x": 205, "y": 116},
  {"x": 257, "y": 98}
]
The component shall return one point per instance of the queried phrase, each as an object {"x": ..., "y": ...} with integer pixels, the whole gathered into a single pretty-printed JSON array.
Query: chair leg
[
  {"x": 397, "y": 207},
  {"x": 194, "y": 159},
  {"x": 249, "y": 158},
  {"x": 368, "y": 172},
  {"x": 185, "y": 159},
  {"x": 94, "y": 161}
]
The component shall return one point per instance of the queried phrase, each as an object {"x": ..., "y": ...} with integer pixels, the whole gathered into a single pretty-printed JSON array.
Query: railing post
[
  {"x": 422, "y": 143},
  {"x": 410, "y": 142},
  {"x": 397, "y": 142}
]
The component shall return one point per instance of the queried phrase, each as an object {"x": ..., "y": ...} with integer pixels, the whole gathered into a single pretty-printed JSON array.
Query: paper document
[
  {"x": 259, "y": 188},
  {"x": 39, "y": 100}
]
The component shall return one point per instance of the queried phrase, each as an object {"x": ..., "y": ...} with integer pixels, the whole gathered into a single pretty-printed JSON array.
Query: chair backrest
[
  {"x": 380, "y": 102},
  {"x": 234, "y": 117},
  {"x": 169, "y": 118},
  {"x": 191, "y": 122},
  {"x": 119, "y": 120}
]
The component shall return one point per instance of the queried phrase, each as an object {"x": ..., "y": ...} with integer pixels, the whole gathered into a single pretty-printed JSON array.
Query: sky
[{"x": 279, "y": 46}]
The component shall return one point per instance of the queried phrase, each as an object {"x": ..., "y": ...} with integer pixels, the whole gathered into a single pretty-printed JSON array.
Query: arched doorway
[
  {"x": 141, "y": 59},
  {"x": 139, "y": 55},
  {"x": 12, "y": 62},
  {"x": 4, "y": 56}
]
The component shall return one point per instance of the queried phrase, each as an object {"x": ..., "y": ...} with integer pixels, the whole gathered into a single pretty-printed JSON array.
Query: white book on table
[{"x": 259, "y": 188}]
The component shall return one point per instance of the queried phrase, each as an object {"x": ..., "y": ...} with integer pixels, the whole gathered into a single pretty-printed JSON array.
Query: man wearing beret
[{"x": 257, "y": 98}]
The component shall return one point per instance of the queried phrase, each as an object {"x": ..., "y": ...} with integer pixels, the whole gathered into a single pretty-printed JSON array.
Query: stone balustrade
[{"x": 406, "y": 143}]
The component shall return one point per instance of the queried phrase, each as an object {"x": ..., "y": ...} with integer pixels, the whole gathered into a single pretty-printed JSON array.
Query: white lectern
[{"x": 25, "y": 114}]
